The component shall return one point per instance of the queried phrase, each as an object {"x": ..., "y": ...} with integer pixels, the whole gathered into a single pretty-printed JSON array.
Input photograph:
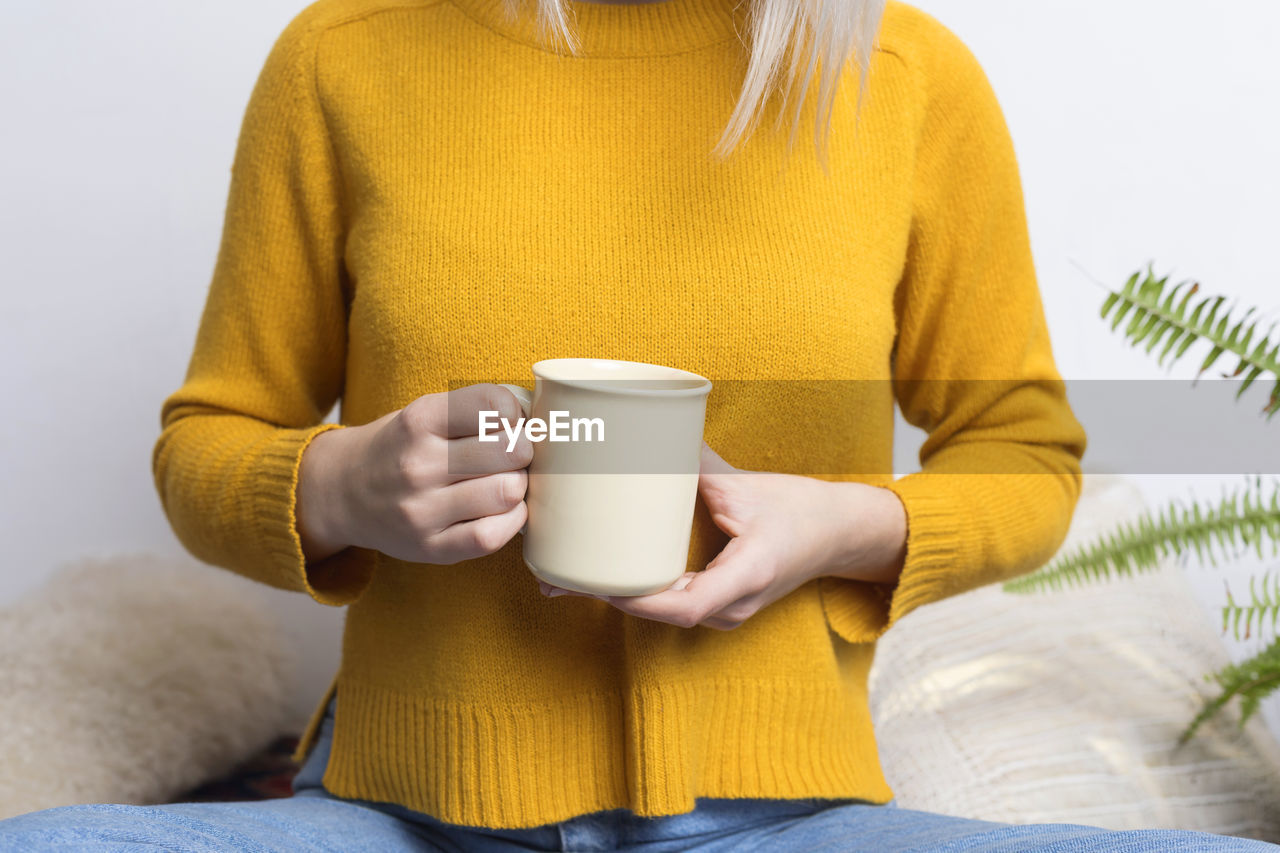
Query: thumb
[
  {"x": 711, "y": 465},
  {"x": 716, "y": 478}
]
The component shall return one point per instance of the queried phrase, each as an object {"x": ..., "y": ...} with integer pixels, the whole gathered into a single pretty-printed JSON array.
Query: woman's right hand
[{"x": 416, "y": 484}]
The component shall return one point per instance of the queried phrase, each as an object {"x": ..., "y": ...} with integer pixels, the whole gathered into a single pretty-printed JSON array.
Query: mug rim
[{"x": 702, "y": 388}]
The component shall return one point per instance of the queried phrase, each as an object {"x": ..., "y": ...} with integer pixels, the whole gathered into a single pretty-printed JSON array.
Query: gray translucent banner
[{"x": 838, "y": 428}]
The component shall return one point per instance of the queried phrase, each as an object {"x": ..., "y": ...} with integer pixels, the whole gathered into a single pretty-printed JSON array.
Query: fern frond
[
  {"x": 1242, "y": 518},
  {"x": 1263, "y": 607},
  {"x": 1252, "y": 680},
  {"x": 1153, "y": 314}
]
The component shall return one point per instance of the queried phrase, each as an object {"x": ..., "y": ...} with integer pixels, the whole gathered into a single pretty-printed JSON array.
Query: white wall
[
  {"x": 1146, "y": 131},
  {"x": 1142, "y": 128},
  {"x": 119, "y": 125}
]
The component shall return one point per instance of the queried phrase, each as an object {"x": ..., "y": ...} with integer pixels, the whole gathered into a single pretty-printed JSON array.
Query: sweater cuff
[
  {"x": 861, "y": 611},
  {"x": 337, "y": 580}
]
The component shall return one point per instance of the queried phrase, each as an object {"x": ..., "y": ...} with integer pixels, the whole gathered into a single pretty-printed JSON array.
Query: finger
[
  {"x": 495, "y": 494},
  {"x": 679, "y": 584},
  {"x": 459, "y": 416},
  {"x": 728, "y": 618},
  {"x": 717, "y": 480},
  {"x": 470, "y": 457},
  {"x": 711, "y": 463},
  {"x": 552, "y": 591},
  {"x": 716, "y": 587},
  {"x": 684, "y": 580},
  {"x": 465, "y": 405},
  {"x": 468, "y": 540}
]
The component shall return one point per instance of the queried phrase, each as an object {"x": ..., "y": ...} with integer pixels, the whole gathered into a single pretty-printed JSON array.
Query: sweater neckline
[{"x": 655, "y": 28}]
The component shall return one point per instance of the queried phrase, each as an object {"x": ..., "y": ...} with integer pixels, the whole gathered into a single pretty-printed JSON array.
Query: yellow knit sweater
[{"x": 423, "y": 197}]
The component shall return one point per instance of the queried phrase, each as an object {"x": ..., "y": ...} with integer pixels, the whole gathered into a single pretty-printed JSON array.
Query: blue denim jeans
[{"x": 314, "y": 819}]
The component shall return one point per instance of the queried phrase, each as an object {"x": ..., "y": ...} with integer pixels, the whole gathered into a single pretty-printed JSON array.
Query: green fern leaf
[
  {"x": 1252, "y": 680},
  {"x": 1108, "y": 303},
  {"x": 1157, "y": 317},
  {"x": 1190, "y": 339},
  {"x": 1230, "y": 525},
  {"x": 1248, "y": 380},
  {"x": 1260, "y": 612}
]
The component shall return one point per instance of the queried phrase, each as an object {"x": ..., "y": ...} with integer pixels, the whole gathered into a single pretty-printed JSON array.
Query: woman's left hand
[{"x": 785, "y": 530}]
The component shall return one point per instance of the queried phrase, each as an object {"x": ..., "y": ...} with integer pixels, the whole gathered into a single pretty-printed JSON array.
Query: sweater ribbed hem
[
  {"x": 652, "y": 750},
  {"x": 336, "y": 580},
  {"x": 861, "y": 612}
]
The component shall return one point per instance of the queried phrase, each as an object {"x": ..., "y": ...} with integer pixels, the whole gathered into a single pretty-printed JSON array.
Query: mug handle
[{"x": 525, "y": 396}]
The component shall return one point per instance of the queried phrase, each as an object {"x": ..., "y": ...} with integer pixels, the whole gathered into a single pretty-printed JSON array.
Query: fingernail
[{"x": 556, "y": 592}]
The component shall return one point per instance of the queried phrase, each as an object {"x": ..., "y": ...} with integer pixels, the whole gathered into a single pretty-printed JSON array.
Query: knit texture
[{"x": 423, "y": 195}]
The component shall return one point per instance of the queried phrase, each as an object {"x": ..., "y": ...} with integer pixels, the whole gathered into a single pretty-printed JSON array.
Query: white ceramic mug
[{"x": 613, "y": 516}]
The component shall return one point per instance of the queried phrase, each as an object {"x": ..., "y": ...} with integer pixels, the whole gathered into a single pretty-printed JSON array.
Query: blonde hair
[{"x": 802, "y": 36}]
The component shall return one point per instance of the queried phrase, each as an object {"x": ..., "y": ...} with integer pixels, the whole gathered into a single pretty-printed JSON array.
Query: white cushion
[{"x": 133, "y": 679}]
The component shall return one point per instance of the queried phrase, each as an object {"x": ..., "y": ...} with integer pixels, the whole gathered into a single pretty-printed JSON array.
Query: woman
[{"x": 430, "y": 195}]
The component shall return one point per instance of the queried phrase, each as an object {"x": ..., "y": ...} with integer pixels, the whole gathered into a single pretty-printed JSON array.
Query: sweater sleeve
[
  {"x": 268, "y": 361},
  {"x": 972, "y": 366}
]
